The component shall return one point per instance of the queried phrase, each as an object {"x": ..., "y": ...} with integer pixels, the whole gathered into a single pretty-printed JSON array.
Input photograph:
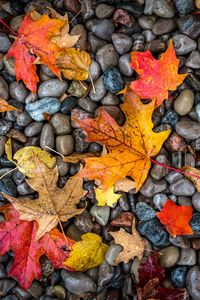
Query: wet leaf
[
  {"x": 193, "y": 171},
  {"x": 107, "y": 197},
  {"x": 8, "y": 149},
  {"x": 88, "y": 253},
  {"x": 4, "y": 106}
]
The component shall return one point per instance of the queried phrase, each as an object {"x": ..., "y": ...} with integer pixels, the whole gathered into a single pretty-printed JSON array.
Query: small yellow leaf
[
  {"x": 107, "y": 197},
  {"x": 24, "y": 159},
  {"x": 88, "y": 253},
  {"x": 8, "y": 149}
]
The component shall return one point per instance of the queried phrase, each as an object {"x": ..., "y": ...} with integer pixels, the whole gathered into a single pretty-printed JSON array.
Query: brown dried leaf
[
  {"x": 4, "y": 106},
  {"x": 133, "y": 245},
  {"x": 193, "y": 171},
  {"x": 124, "y": 185},
  {"x": 53, "y": 204}
]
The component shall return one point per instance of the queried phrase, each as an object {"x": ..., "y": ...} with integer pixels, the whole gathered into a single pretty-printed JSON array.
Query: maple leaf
[
  {"x": 176, "y": 218},
  {"x": 34, "y": 39},
  {"x": 156, "y": 76},
  {"x": 88, "y": 253},
  {"x": 107, "y": 197},
  {"x": 192, "y": 173},
  {"x": 54, "y": 204},
  {"x": 133, "y": 245},
  {"x": 130, "y": 146},
  {"x": 19, "y": 236},
  {"x": 4, "y": 106}
]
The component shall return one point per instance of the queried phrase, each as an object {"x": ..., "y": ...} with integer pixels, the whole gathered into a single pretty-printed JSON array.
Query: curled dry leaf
[
  {"x": 133, "y": 245},
  {"x": 193, "y": 171},
  {"x": 53, "y": 204},
  {"x": 88, "y": 253},
  {"x": 4, "y": 106}
]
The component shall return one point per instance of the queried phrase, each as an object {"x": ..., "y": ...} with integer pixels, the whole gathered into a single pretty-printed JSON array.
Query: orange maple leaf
[
  {"x": 130, "y": 146},
  {"x": 176, "y": 218},
  {"x": 4, "y": 106},
  {"x": 34, "y": 39},
  {"x": 156, "y": 76}
]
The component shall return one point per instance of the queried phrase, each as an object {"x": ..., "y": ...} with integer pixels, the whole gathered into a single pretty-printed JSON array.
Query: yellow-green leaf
[
  {"x": 24, "y": 159},
  {"x": 8, "y": 149},
  {"x": 107, "y": 197},
  {"x": 88, "y": 253}
]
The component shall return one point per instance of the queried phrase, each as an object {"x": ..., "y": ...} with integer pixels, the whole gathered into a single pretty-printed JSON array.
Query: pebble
[
  {"x": 195, "y": 222},
  {"x": 184, "y": 102},
  {"x": 134, "y": 8},
  {"x": 3, "y": 140},
  {"x": 84, "y": 222},
  {"x": 77, "y": 89},
  {"x": 107, "y": 57},
  {"x": 163, "y": 26},
  {"x": 24, "y": 189},
  {"x": 196, "y": 201},
  {"x": 94, "y": 71},
  {"x": 188, "y": 129},
  {"x": 4, "y": 90},
  {"x": 122, "y": 17},
  {"x": 87, "y": 9},
  {"x": 77, "y": 282},
  {"x": 23, "y": 119},
  {"x": 6, "y": 285},
  {"x": 124, "y": 65},
  {"x": 112, "y": 254},
  {"x": 157, "y": 46},
  {"x": 193, "y": 60},
  {"x": 110, "y": 99},
  {"x": 46, "y": 105},
  {"x": 33, "y": 129},
  {"x": 178, "y": 276},
  {"x": 122, "y": 42},
  {"x": 94, "y": 42},
  {"x": 169, "y": 256},
  {"x": 124, "y": 219},
  {"x": 103, "y": 29},
  {"x": 154, "y": 232},
  {"x": 193, "y": 282},
  {"x": 184, "y": 7},
  {"x": 47, "y": 137},
  {"x": 52, "y": 88},
  {"x": 67, "y": 105},
  {"x": 79, "y": 114},
  {"x": 123, "y": 202},
  {"x": 61, "y": 124},
  {"x": 187, "y": 257},
  {"x": 18, "y": 91},
  {"x": 47, "y": 71},
  {"x": 101, "y": 214},
  {"x": 147, "y": 22},
  {"x": 105, "y": 274},
  {"x": 5, "y": 127},
  {"x": 196, "y": 144},
  {"x": 152, "y": 187},
  {"x": 63, "y": 167},
  {"x": 4, "y": 43},
  {"x": 31, "y": 98},
  {"x": 104, "y": 11},
  {"x": 81, "y": 145},
  {"x": 193, "y": 81},
  {"x": 17, "y": 135},
  {"x": 144, "y": 211},
  {"x": 73, "y": 6},
  {"x": 189, "y": 25},
  {"x": 87, "y": 104},
  {"x": 18, "y": 177},
  {"x": 80, "y": 30},
  {"x": 158, "y": 172},
  {"x": 170, "y": 117},
  {"x": 100, "y": 90},
  {"x": 182, "y": 187},
  {"x": 183, "y": 44},
  {"x": 185, "y": 201},
  {"x": 159, "y": 200},
  {"x": 180, "y": 241},
  {"x": 113, "y": 80},
  {"x": 163, "y": 8},
  {"x": 65, "y": 144}
]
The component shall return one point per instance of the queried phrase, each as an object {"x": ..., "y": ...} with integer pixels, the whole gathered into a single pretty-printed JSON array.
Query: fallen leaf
[
  {"x": 24, "y": 159},
  {"x": 130, "y": 146},
  {"x": 34, "y": 40},
  {"x": 76, "y": 157},
  {"x": 193, "y": 171},
  {"x": 176, "y": 218},
  {"x": 74, "y": 64},
  {"x": 124, "y": 185},
  {"x": 8, "y": 149},
  {"x": 157, "y": 77},
  {"x": 133, "y": 245},
  {"x": 53, "y": 204},
  {"x": 4, "y": 106},
  {"x": 107, "y": 197},
  {"x": 19, "y": 236},
  {"x": 88, "y": 253}
]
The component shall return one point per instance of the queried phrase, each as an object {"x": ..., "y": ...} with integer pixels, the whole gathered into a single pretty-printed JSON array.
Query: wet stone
[
  {"x": 163, "y": 8},
  {"x": 101, "y": 214},
  {"x": 124, "y": 65},
  {"x": 195, "y": 222},
  {"x": 24, "y": 189},
  {"x": 169, "y": 256},
  {"x": 18, "y": 91},
  {"x": 144, "y": 211},
  {"x": 5, "y": 127},
  {"x": 107, "y": 57},
  {"x": 95, "y": 42},
  {"x": 77, "y": 89},
  {"x": 33, "y": 129},
  {"x": 87, "y": 104},
  {"x": 163, "y": 26},
  {"x": 61, "y": 124},
  {"x": 105, "y": 274},
  {"x": 189, "y": 25},
  {"x": 196, "y": 201},
  {"x": 87, "y": 9},
  {"x": 122, "y": 42},
  {"x": 178, "y": 276},
  {"x": 52, "y": 88},
  {"x": 4, "y": 43},
  {"x": 100, "y": 90},
  {"x": 103, "y": 29},
  {"x": 3, "y": 140},
  {"x": 94, "y": 71},
  {"x": 112, "y": 80},
  {"x": 81, "y": 145},
  {"x": 65, "y": 144},
  {"x": 193, "y": 81},
  {"x": 170, "y": 117},
  {"x": 152, "y": 187},
  {"x": 134, "y": 8},
  {"x": 6, "y": 285},
  {"x": 47, "y": 137},
  {"x": 184, "y": 7},
  {"x": 4, "y": 91},
  {"x": 183, "y": 44},
  {"x": 112, "y": 254},
  {"x": 23, "y": 119},
  {"x": 193, "y": 281},
  {"x": 184, "y": 102},
  {"x": 159, "y": 200},
  {"x": 83, "y": 222},
  {"x": 182, "y": 187},
  {"x": 157, "y": 172},
  {"x": 147, "y": 22},
  {"x": 110, "y": 99},
  {"x": 188, "y": 129},
  {"x": 193, "y": 60},
  {"x": 124, "y": 219},
  {"x": 67, "y": 105},
  {"x": 104, "y": 11},
  {"x": 7, "y": 186},
  {"x": 122, "y": 17},
  {"x": 187, "y": 257},
  {"x": 63, "y": 167}
]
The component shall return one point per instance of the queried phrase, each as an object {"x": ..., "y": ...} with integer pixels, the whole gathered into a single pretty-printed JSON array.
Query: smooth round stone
[
  {"x": 110, "y": 99},
  {"x": 33, "y": 129},
  {"x": 24, "y": 189},
  {"x": 184, "y": 7},
  {"x": 182, "y": 187},
  {"x": 4, "y": 90},
  {"x": 104, "y": 11},
  {"x": 196, "y": 201},
  {"x": 193, "y": 60},
  {"x": 84, "y": 222},
  {"x": 4, "y": 43},
  {"x": 106, "y": 272},
  {"x": 147, "y": 22},
  {"x": 148, "y": 35},
  {"x": 103, "y": 29},
  {"x": 112, "y": 253},
  {"x": 122, "y": 42},
  {"x": 180, "y": 241},
  {"x": 195, "y": 222},
  {"x": 101, "y": 213},
  {"x": 183, "y": 44},
  {"x": 159, "y": 200},
  {"x": 80, "y": 30},
  {"x": 170, "y": 117},
  {"x": 185, "y": 201},
  {"x": 79, "y": 114},
  {"x": 77, "y": 89},
  {"x": 31, "y": 98},
  {"x": 178, "y": 276},
  {"x": 157, "y": 172},
  {"x": 7, "y": 186},
  {"x": 18, "y": 91},
  {"x": 87, "y": 104},
  {"x": 52, "y": 88},
  {"x": 107, "y": 57},
  {"x": 46, "y": 105},
  {"x": 152, "y": 187},
  {"x": 3, "y": 140},
  {"x": 193, "y": 282},
  {"x": 65, "y": 144},
  {"x": 23, "y": 119},
  {"x": 187, "y": 257},
  {"x": 77, "y": 282},
  {"x": 9, "y": 64},
  {"x": 63, "y": 167},
  {"x": 12, "y": 115},
  {"x": 189, "y": 129},
  {"x": 184, "y": 102},
  {"x": 144, "y": 211},
  {"x": 124, "y": 65},
  {"x": 134, "y": 8},
  {"x": 169, "y": 256},
  {"x": 163, "y": 26},
  {"x": 154, "y": 232},
  {"x": 95, "y": 42},
  {"x": 18, "y": 177},
  {"x": 47, "y": 137},
  {"x": 61, "y": 124},
  {"x": 81, "y": 145},
  {"x": 189, "y": 25},
  {"x": 100, "y": 90},
  {"x": 163, "y": 8},
  {"x": 94, "y": 71},
  {"x": 67, "y": 105},
  {"x": 148, "y": 9},
  {"x": 112, "y": 80},
  {"x": 5, "y": 127},
  {"x": 47, "y": 71}
]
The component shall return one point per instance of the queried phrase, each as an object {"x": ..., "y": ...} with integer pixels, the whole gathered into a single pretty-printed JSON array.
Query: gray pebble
[
  {"x": 23, "y": 119},
  {"x": 84, "y": 222},
  {"x": 124, "y": 65},
  {"x": 52, "y": 88},
  {"x": 106, "y": 272},
  {"x": 103, "y": 29},
  {"x": 110, "y": 99},
  {"x": 18, "y": 91},
  {"x": 77, "y": 89},
  {"x": 63, "y": 167},
  {"x": 193, "y": 60},
  {"x": 196, "y": 201},
  {"x": 148, "y": 35},
  {"x": 4, "y": 90},
  {"x": 193, "y": 282},
  {"x": 185, "y": 201},
  {"x": 31, "y": 98},
  {"x": 163, "y": 8},
  {"x": 158, "y": 172},
  {"x": 180, "y": 241},
  {"x": 144, "y": 211},
  {"x": 189, "y": 129},
  {"x": 47, "y": 137},
  {"x": 33, "y": 129},
  {"x": 183, "y": 44},
  {"x": 184, "y": 7},
  {"x": 100, "y": 90},
  {"x": 6, "y": 285},
  {"x": 101, "y": 213},
  {"x": 112, "y": 254},
  {"x": 152, "y": 187},
  {"x": 87, "y": 104},
  {"x": 87, "y": 9},
  {"x": 95, "y": 42},
  {"x": 61, "y": 124},
  {"x": 80, "y": 30},
  {"x": 81, "y": 145},
  {"x": 159, "y": 200},
  {"x": 189, "y": 25},
  {"x": 187, "y": 257},
  {"x": 47, "y": 71},
  {"x": 104, "y": 11},
  {"x": 94, "y": 71},
  {"x": 184, "y": 102},
  {"x": 4, "y": 43},
  {"x": 182, "y": 187},
  {"x": 5, "y": 127},
  {"x": 107, "y": 57},
  {"x": 147, "y": 22},
  {"x": 65, "y": 144},
  {"x": 122, "y": 42},
  {"x": 163, "y": 26},
  {"x": 148, "y": 9},
  {"x": 24, "y": 189}
]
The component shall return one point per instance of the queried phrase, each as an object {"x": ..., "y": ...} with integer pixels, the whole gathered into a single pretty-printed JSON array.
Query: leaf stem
[{"x": 8, "y": 27}]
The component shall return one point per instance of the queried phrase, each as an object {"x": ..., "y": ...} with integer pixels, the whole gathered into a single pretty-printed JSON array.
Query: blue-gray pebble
[
  {"x": 112, "y": 80},
  {"x": 46, "y": 105},
  {"x": 144, "y": 211},
  {"x": 178, "y": 276},
  {"x": 195, "y": 222}
]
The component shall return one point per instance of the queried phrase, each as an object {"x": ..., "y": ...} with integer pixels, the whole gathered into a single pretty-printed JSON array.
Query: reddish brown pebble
[
  {"x": 17, "y": 135},
  {"x": 125, "y": 219},
  {"x": 196, "y": 244},
  {"x": 175, "y": 143},
  {"x": 116, "y": 113},
  {"x": 122, "y": 17}
]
